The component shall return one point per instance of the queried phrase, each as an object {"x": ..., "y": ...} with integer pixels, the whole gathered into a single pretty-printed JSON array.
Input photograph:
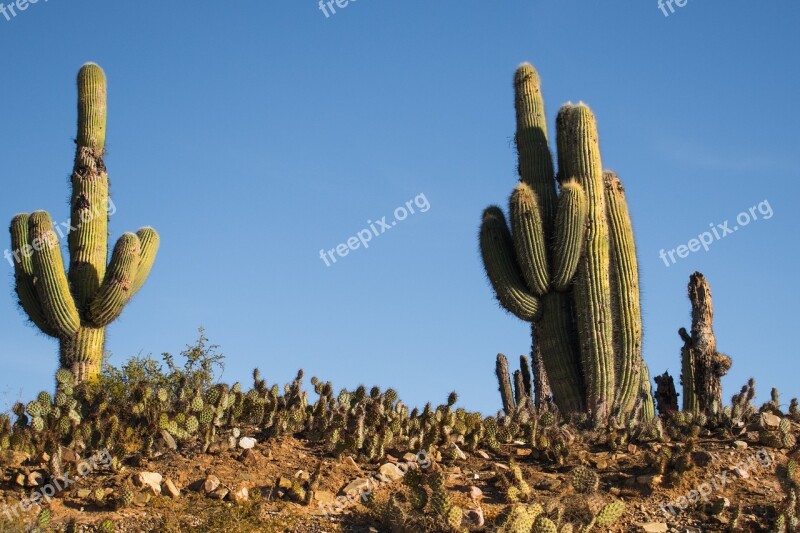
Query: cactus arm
[
  {"x": 570, "y": 228},
  {"x": 115, "y": 291},
  {"x": 23, "y": 274},
  {"x": 528, "y": 236},
  {"x": 579, "y": 154},
  {"x": 149, "y": 241},
  {"x": 535, "y": 158},
  {"x": 51, "y": 280},
  {"x": 626, "y": 304},
  {"x": 88, "y": 242},
  {"x": 501, "y": 267}
]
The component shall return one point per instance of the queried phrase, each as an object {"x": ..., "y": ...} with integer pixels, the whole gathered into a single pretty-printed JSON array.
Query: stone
[
  {"x": 169, "y": 440},
  {"x": 35, "y": 479},
  {"x": 19, "y": 479},
  {"x": 249, "y": 457},
  {"x": 247, "y": 443},
  {"x": 475, "y": 516},
  {"x": 460, "y": 454},
  {"x": 352, "y": 464},
  {"x": 741, "y": 472},
  {"x": 141, "y": 499},
  {"x": 500, "y": 466},
  {"x": 356, "y": 486},
  {"x": 771, "y": 421},
  {"x": 149, "y": 480},
  {"x": 654, "y": 527},
  {"x": 391, "y": 472},
  {"x": 240, "y": 494},
  {"x": 391, "y": 458},
  {"x": 740, "y": 445},
  {"x": 219, "y": 494},
  {"x": 649, "y": 480},
  {"x": 410, "y": 457},
  {"x": 172, "y": 490},
  {"x": 483, "y": 454},
  {"x": 475, "y": 493},
  {"x": 324, "y": 497},
  {"x": 284, "y": 483},
  {"x": 237, "y": 433},
  {"x": 12, "y": 459},
  {"x": 211, "y": 484}
]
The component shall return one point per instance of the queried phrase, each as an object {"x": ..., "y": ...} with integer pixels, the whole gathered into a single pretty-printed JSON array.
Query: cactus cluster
[
  {"x": 75, "y": 306},
  {"x": 567, "y": 264}
]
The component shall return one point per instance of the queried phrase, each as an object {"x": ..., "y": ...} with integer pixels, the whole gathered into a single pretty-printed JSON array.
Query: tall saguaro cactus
[
  {"x": 76, "y": 306},
  {"x": 568, "y": 262}
]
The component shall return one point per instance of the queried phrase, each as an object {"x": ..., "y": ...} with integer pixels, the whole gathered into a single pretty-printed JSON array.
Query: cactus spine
[
  {"x": 568, "y": 263},
  {"x": 76, "y": 306}
]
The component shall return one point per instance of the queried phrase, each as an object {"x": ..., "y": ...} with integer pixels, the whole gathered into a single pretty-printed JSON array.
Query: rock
[
  {"x": 149, "y": 480},
  {"x": 247, "y": 443},
  {"x": 35, "y": 479},
  {"x": 169, "y": 441},
  {"x": 236, "y": 433},
  {"x": 323, "y": 497},
  {"x": 500, "y": 466},
  {"x": 741, "y": 472},
  {"x": 740, "y": 445},
  {"x": 410, "y": 457},
  {"x": 231, "y": 442},
  {"x": 475, "y": 493},
  {"x": 632, "y": 449},
  {"x": 43, "y": 458},
  {"x": 302, "y": 475},
  {"x": 649, "y": 480},
  {"x": 356, "y": 486},
  {"x": 771, "y": 421},
  {"x": 601, "y": 464},
  {"x": 211, "y": 484},
  {"x": 141, "y": 499},
  {"x": 172, "y": 490},
  {"x": 219, "y": 494},
  {"x": 483, "y": 454},
  {"x": 391, "y": 472},
  {"x": 240, "y": 494},
  {"x": 523, "y": 452},
  {"x": 284, "y": 483},
  {"x": 352, "y": 464},
  {"x": 475, "y": 516},
  {"x": 654, "y": 527},
  {"x": 460, "y": 454},
  {"x": 391, "y": 458},
  {"x": 249, "y": 457},
  {"x": 19, "y": 480},
  {"x": 12, "y": 459}
]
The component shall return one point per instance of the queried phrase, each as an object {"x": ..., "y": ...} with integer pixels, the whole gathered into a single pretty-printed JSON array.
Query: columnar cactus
[
  {"x": 568, "y": 262},
  {"x": 702, "y": 366},
  {"x": 76, "y": 306}
]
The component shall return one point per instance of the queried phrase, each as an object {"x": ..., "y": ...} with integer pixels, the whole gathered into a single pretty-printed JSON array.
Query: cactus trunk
[{"x": 82, "y": 353}]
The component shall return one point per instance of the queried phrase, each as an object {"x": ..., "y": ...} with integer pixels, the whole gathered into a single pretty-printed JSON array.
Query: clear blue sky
[{"x": 252, "y": 134}]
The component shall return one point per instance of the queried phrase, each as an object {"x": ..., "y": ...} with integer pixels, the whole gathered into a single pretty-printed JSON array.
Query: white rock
[
  {"x": 150, "y": 480},
  {"x": 247, "y": 443},
  {"x": 391, "y": 472}
]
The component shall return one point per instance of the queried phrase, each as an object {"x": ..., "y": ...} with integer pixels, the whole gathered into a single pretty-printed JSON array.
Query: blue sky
[{"x": 253, "y": 134}]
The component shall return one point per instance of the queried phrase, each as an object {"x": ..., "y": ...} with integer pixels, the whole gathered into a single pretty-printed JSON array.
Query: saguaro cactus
[
  {"x": 702, "y": 366},
  {"x": 568, "y": 262},
  {"x": 75, "y": 307}
]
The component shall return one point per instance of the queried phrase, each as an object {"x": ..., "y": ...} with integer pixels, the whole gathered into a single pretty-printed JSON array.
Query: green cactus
[
  {"x": 585, "y": 480},
  {"x": 76, "y": 306},
  {"x": 570, "y": 255},
  {"x": 610, "y": 513},
  {"x": 544, "y": 525}
]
